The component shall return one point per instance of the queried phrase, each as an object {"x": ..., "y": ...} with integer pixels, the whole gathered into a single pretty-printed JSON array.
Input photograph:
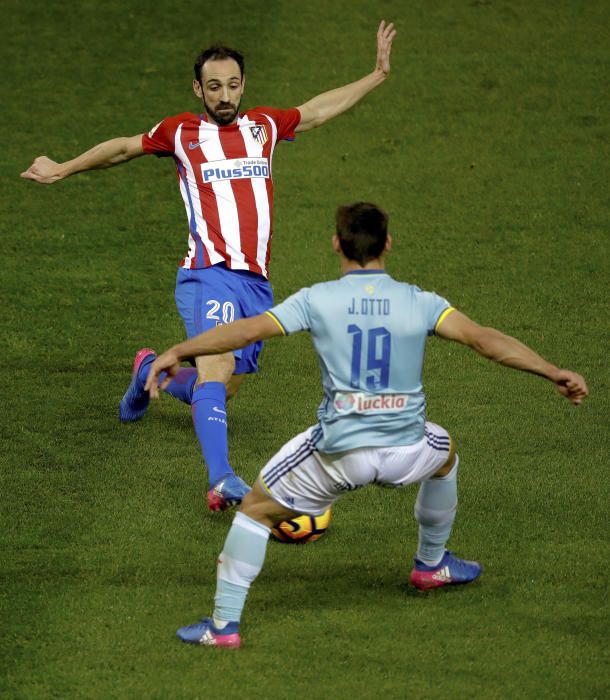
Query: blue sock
[
  {"x": 182, "y": 385},
  {"x": 209, "y": 410},
  {"x": 240, "y": 562},
  {"x": 435, "y": 512}
]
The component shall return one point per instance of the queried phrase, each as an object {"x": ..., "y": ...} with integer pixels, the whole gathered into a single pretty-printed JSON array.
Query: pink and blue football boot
[
  {"x": 227, "y": 492},
  {"x": 135, "y": 401},
  {"x": 450, "y": 571},
  {"x": 206, "y": 633}
]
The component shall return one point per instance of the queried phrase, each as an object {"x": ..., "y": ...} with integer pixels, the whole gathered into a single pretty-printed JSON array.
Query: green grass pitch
[{"x": 489, "y": 147}]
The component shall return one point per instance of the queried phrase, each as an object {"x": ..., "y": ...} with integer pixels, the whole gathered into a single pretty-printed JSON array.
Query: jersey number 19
[{"x": 376, "y": 349}]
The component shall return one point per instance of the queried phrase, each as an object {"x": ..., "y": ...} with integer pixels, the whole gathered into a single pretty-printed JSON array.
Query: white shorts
[{"x": 306, "y": 481}]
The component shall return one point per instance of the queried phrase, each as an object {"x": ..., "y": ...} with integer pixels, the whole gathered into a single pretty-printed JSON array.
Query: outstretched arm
[
  {"x": 104, "y": 155},
  {"x": 510, "y": 352},
  {"x": 329, "y": 104},
  {"x": 213, "y": 342}
]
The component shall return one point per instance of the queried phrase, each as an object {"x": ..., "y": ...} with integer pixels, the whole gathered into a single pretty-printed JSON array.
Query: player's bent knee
[
  {"x": 260, "y": 507},
  {"x": 255, "y": 502},
  {"x": 450, "y": 464},
  {"x": 218, "y": 368}
]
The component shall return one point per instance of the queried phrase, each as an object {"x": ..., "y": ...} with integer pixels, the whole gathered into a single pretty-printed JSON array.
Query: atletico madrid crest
[{"x": 259, "y": 134}]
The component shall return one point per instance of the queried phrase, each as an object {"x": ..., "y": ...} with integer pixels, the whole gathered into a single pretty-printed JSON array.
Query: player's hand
[
  {"x": 385, "y": 36},
  {"x": 167, "y": 362},
  {"x": 43, "y": 170},
  {"x": 572, "y": 386}
]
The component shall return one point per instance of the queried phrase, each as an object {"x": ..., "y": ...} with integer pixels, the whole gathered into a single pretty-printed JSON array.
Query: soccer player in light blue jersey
[{"x": 369, "y": 332}]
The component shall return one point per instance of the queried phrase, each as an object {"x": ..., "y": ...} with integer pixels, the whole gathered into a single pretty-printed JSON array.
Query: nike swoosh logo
[
  {"x": 194, "y": 145},
  {"x": 224, "y": 413}
]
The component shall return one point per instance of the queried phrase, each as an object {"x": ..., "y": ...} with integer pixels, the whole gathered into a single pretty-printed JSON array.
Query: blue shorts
[{"x": 216, "y": 295}]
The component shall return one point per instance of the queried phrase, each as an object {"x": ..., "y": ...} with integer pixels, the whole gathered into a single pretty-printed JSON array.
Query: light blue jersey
[{"x": 370, "y": 334}]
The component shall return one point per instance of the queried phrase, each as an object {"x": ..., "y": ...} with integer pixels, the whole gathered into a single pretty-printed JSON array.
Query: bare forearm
[
  {"x": 510, "y": 352},
  {"x": 328, "y": 105},
  {"x": 221, "y": 339},
  {"x": 104, "y": 155},
  {"x": 334, "y": 102},
  {"x": 216, "y": 341}
]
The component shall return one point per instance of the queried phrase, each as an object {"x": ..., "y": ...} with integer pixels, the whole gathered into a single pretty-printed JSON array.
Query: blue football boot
[
  {"x": 227, "y": 492},
  {"x": 448, "y": 572},
  {"x": 206, "y": 633},
  {"x": 135, "y": 401}
]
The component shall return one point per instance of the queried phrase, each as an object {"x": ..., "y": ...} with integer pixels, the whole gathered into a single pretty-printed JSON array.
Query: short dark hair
[
  {"x": 217, "y": 53},
  {"x": 362, "y": 229}
]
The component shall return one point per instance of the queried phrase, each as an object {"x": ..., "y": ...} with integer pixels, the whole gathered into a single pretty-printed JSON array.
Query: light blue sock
[
  {"x": 435, "y": 512},
  {"x": 239, "y": 564},
  {"x": 209, "y": 410},
  {"x": 182, "y": 385}
]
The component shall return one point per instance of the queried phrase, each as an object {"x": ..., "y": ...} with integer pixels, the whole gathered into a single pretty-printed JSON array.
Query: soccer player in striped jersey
[
  {"x": 223, "y": 161},
  {"x": 369, "y": 332}
]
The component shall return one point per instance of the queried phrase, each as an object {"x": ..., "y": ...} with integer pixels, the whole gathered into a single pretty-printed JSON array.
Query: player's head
[
  {"x": 219, "y": 82},
  {"x": 362, "y": 232}
]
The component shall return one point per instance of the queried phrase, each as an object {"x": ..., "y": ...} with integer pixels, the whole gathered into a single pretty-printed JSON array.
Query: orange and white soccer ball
[{"x": 305, "y": 528}]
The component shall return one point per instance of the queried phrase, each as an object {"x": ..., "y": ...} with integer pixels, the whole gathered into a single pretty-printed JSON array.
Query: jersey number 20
[{"x": 228, "y": 311}]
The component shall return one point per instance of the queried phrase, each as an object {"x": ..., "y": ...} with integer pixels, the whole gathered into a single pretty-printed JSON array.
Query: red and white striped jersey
[{"x": 224, "y": 173}]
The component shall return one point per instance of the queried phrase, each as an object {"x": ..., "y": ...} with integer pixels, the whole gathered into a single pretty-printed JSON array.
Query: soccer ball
[{"x": 305, "y": 528}]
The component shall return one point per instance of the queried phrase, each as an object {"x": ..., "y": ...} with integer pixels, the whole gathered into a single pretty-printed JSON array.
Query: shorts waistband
[{"x": 245, "y": 274}]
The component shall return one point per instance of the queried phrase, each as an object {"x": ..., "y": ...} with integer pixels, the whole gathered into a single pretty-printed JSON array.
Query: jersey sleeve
[
  {"x": 160, "y": 139},
  {"x": 436, "y": 310},
  {"x": 292, "y": 315},
  {"x": 286, "y": 121}
]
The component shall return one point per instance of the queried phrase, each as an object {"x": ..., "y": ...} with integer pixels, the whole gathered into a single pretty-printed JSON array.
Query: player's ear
[
  {"x": 336, "y": 244},
  {"x": 388, "y": 244},
  {"x": 197, "y": 89}
]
